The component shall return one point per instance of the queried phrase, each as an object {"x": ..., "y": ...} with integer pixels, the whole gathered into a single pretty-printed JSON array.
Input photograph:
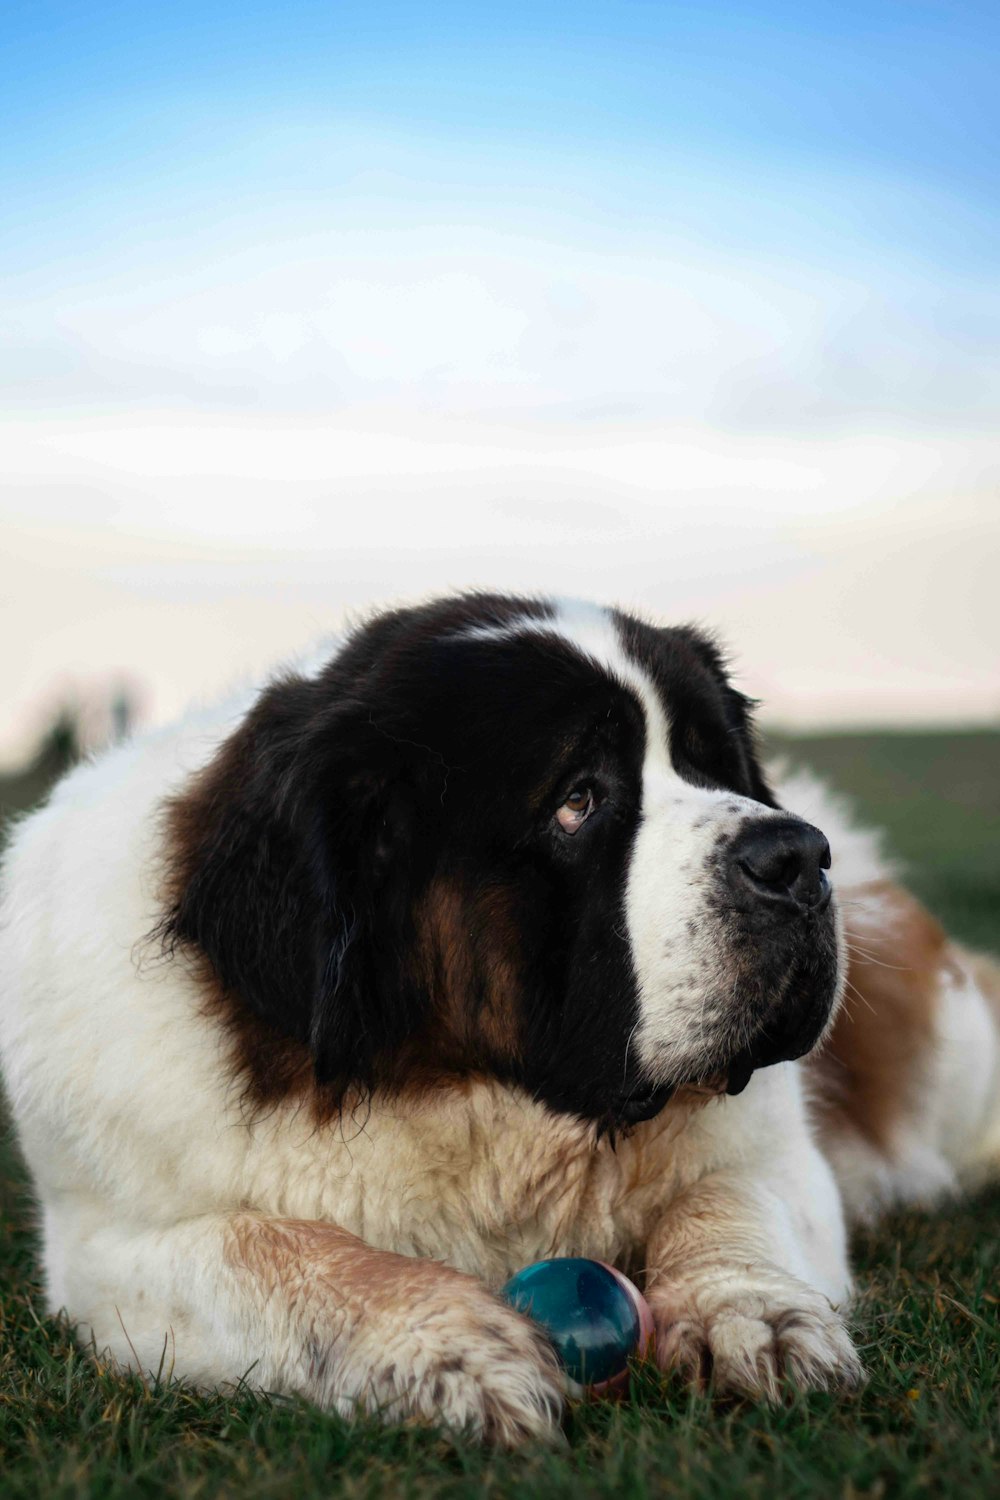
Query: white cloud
[
  {"x": 469, "y": 322},
  {"x": 204, "y": 465}
]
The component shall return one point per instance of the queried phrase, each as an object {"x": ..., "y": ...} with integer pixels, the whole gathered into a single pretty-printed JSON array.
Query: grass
[{"x": 925, "y": 1425}]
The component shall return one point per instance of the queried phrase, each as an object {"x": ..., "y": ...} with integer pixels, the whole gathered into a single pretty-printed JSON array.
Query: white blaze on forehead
[{"x": 592, "y": 631}]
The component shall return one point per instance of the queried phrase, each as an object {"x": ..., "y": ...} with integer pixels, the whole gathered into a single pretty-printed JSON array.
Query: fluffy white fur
[{"x": 176, "y": 1229}]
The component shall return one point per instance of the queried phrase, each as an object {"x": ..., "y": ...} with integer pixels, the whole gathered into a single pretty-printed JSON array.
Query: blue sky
[
  {"x": 842, "y": 153},
  {"x": 717, "y": 282},
  {"x": 881, "y": 119}
]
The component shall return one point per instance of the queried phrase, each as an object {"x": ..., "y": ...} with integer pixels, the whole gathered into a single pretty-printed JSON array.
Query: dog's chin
[
  {"x": 800, "y": 1034},
  {"x": 795, "y": 1034}
]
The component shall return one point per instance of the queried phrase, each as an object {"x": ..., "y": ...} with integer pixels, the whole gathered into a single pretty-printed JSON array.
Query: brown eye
[{"x": 576, "y": 809}]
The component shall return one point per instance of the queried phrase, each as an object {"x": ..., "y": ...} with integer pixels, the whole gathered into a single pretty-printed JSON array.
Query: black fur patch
[{"x": 712, "y": 739}]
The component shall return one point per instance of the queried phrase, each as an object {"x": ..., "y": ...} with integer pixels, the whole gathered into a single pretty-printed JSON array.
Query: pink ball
[{"x": 646, "y": 1346}]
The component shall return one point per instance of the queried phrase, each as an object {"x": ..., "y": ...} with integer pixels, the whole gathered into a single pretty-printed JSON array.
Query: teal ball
[{"x": 596, "y": 1319}]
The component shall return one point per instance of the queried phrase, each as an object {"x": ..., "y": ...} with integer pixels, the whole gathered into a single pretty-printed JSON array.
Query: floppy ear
[
  {"x": 738, "y": 709},
  {"x": 280, "y": 857},
  {"x": 742, "y": 710}
]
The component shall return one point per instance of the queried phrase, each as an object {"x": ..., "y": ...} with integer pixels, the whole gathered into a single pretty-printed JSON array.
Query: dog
[{"x": 478, "y": 937}]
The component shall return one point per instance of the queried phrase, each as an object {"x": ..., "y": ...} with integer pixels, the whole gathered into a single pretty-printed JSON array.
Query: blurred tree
[{"x": 60, "y": 748}]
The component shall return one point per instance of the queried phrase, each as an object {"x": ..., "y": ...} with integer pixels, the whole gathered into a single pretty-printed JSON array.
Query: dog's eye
[{"x": 576, "y": 809}]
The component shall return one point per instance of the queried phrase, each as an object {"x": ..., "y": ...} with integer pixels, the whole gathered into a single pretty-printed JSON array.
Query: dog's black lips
[
  {"x": 634, "y": 1108},
  {"x": 740, "y": 1072}
]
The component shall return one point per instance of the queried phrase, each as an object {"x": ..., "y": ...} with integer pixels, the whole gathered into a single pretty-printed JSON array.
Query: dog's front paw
[
  {"x": 745, "y": 1328},
  {"x": 473, "y": 1364}
]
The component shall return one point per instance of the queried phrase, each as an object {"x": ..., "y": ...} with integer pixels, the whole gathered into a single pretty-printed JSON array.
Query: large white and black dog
[{"x": 480, "y": 938}]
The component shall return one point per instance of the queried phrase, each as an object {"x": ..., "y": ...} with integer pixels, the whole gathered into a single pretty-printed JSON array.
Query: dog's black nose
[{"x": 777, "y": 866}]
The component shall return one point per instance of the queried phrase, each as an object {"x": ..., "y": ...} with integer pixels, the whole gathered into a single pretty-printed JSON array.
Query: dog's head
[{"x": 507, "y": 838}]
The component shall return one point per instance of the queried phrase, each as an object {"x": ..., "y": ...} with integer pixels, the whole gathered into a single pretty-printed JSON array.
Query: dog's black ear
[
  {"x": 737, "y": 710},
  {"x": 283, "y": 853},
  {"x": 741, "y": 710}
]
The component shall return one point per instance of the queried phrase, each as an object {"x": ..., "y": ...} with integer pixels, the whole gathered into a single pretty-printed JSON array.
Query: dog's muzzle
[{"x": 776, "y": 876}]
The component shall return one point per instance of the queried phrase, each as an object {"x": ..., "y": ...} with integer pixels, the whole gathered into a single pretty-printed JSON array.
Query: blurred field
[
  {"x": 926, "y": 1425},
  {"x": 937, "y": 795}
]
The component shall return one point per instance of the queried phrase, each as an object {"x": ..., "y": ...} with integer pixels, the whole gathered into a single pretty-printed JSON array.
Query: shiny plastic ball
[{"x": 594, "y": 1316}]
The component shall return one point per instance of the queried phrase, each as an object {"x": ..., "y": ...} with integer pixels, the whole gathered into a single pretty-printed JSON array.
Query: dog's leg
[
  {"x": 303, "y": 1307},
  {"x": 746, "y": 1265}
]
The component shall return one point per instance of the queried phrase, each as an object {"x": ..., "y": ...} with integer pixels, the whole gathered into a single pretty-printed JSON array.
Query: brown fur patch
[
  {"x": 465, "y": 955},
  {"x": 870, "y": 1072},
  {"x": 467, "y": 949},
  {"x": 286, "y": 1256},
  {"x": 270, "y": 1070},
  {"x": 267, "y": 1066}
]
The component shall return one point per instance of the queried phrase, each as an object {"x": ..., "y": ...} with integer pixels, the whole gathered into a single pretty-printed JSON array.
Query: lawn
[{"x": 926, "y": 1424}]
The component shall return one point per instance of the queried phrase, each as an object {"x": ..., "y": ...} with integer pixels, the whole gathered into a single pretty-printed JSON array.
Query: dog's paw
[
  {"x": 744, "y": 1329},
  {"x": 471, "y": 1363}
]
